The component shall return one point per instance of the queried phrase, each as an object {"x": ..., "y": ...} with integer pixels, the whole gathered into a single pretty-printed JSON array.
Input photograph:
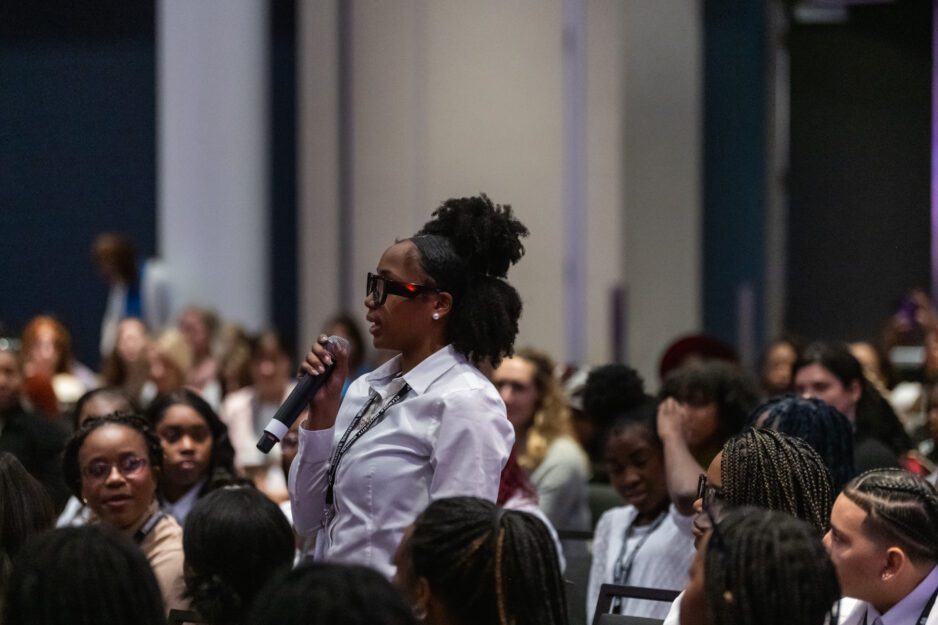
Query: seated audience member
[
  {"x": 127, "y": 368},
  {"x": 248, "y": 410},
  {"x": 694, "y": 349},
  {"x": 47, "y": 354},
  {"x": 830, "y": 373},
  {"x": 234, "y": 358},
  {"x": 25, "y": 510},
  {"x": 515, "y": 492},
  {"x": 465, "y": 561},
  {"x": 82, "y": 576},
  {"x": 97, "y": 403},
  {"x": 817, "y": 423},
  {"x": 555, "y": 463},
  {"x": 761, "y": 566},
  {"x": 197, "y": 454},
  {"x": 113, "y": 464},
  {"x": 647, "y": 542},
  {"x": 763, "y": 468},
  {"x": 235, "y": 541},
  {"x": 170, "y": 359},
  {"x": 710, "y": 402},
  {"x": 776, "y": 371},
  {"x": 609, "y": 391},
  {"x": 884, "y": 545},
  {"x": 34, "y": 441},
  {"x": 344, "y": 325},
  {"x": 330, "y": 594},
  {"x": 199, "y": 326}
]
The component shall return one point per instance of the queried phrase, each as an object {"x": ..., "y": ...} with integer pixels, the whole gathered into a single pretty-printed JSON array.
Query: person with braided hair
[
  {"x": 465, "y": 561},
  {"x": 761, "y": 567},
  {"x": 427, "y": 424},
  {"x": 817, "y": 423},
  {"x": 767, "y": 469},
  {"x": 884, "y": 544}
]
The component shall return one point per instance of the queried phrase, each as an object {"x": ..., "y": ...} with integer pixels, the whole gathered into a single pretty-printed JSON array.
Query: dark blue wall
[
  {"x": 734, "y": 160},
  {"x": 77, "y": 153}
]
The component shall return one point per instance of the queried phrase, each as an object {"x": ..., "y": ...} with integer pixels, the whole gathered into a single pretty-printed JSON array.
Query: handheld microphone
[{"x": 297, "y": 400}]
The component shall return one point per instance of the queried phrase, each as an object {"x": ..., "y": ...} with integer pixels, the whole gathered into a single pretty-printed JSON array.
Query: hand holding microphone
[{"x": 319, "y": 386}]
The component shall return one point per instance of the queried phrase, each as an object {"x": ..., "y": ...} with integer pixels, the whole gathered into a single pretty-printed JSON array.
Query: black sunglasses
[{"x": 379, "y": 288}]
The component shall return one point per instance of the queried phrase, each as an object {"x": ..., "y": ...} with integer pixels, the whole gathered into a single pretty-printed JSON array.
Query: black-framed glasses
[
  {"x": 379, "y": 287},
  {"x": 709, "y": 494},
  {"x": 126, "y": 466}
]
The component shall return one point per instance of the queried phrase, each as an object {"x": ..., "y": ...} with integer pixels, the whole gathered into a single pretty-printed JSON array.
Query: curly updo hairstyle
[{"x": 467, "y": 249}]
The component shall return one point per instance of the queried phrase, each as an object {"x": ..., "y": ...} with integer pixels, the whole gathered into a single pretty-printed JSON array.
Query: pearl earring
[{"x": 436, "y": 316}]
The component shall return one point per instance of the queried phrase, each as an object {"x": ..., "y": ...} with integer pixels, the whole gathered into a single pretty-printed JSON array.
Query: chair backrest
[
  {"x": 623, "y": 619},
  {"x": 184, "y": 617},
  {"x": 608, "y": 591}
]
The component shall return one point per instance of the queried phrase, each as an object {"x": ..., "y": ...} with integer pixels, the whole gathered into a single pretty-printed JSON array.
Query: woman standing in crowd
[
  {"x": 648, "y": 542},
  {"x": 777, "y": 368},
  {"x": 427, "y": 424},
  {"x": 884, "y": 544},
  {"x": 113, "y": 464},
  {"x": 544, "y": 444},
  {"x": 47, "y": 358},
  {"x": 761, "y": 566},
  {"x": 465, "y": 561},
  {"x": 829, "y": 372},
  {"x": 197, "y": 454},
  {"x": 170, "y": 359}
]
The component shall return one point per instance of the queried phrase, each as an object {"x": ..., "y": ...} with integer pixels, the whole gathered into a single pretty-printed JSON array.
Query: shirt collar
[
  {"x": 420, "y": 377},
  {"x": 911, "y": 606}
]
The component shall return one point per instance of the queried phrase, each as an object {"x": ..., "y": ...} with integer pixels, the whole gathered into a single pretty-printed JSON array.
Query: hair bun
[{"x": 486, "y": 235}]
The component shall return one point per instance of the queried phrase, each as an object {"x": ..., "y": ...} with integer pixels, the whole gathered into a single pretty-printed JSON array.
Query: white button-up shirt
[{"x": 449, "y": 436}]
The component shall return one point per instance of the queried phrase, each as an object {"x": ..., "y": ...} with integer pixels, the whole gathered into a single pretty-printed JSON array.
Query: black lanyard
[
  {"x": 926, "y": 612},
  {"x": 621, "y": 571},
  {"x": 345, "y": 444}
]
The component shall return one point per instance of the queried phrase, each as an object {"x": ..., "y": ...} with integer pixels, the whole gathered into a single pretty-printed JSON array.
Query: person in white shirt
[
  {"x": 884, "y": 543},
  {"x": 760, "y": 567},
  {"x": 427, "y": 424},
  {"x": 649, "y": 542}
]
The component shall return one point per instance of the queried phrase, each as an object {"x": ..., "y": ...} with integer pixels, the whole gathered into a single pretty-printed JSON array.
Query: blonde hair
[
  {"x": 172, "y": 346},
  {"x": 551, "y": 415}
]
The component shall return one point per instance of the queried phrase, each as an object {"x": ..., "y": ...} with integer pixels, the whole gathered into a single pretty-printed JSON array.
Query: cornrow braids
[
  {"x": 901, "y": 507},
  {"x": 768, "y": 469},
  {"x": 819, "y": 424},
  {"x": 767, "y": 567},
  {"x": 488, "y": 566}
]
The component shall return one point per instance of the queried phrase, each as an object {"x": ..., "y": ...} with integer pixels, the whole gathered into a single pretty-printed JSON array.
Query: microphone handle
[{"x": 292, "y": 407}]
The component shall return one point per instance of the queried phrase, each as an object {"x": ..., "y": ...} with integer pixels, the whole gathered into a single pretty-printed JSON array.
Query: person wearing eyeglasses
[
  {"x": 884, "y": 544},
  {"x": 427, "y": 424},
  {"x": 113, "y": 465}
]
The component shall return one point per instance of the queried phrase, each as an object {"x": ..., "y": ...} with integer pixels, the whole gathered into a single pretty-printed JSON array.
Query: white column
[{"x": 212, "y": 220}]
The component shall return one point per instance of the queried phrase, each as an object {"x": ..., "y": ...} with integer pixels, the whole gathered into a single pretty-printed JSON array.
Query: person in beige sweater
[{"x": 113, "y": 464}]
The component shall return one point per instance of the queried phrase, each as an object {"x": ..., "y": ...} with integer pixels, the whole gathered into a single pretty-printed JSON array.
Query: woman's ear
[
  {"x": 422, "y": 599},
  {"x": 443, "y": 304}
]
